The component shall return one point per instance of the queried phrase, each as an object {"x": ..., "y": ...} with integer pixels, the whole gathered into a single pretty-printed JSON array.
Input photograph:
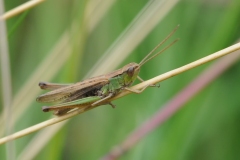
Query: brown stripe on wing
[{"x": 51, "y": 86}]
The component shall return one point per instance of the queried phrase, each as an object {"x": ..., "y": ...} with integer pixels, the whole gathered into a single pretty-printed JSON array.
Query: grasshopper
[{"x": 97, "y": 90}]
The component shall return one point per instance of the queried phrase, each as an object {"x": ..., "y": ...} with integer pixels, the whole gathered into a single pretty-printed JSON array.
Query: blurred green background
[{"x": 206, "y": 128}]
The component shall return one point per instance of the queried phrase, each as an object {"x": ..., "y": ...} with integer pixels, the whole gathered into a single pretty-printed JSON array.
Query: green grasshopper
[{"x": 97, "y": 90}]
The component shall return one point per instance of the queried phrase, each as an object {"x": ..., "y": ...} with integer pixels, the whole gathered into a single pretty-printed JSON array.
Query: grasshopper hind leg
[
  {"x": 61, "y": 112},
  {"x": 58, "y": 112}
]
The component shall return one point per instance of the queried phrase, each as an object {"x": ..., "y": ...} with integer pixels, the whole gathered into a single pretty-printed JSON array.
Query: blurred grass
[{"x": 206, "y": 128}]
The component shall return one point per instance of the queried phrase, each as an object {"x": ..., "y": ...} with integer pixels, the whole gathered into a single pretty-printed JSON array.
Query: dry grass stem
[
  {"x": 139, "y": 86},
  {"x": 31, "y": 150},
  {"x": 20, "y": 9}
]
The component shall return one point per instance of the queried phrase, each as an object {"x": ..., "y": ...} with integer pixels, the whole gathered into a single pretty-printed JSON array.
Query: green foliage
[{"x": 206, "y": 128}]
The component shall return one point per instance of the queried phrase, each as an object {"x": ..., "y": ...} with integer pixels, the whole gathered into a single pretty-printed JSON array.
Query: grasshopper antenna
[
  {"x": 146, "y": 59},
  {"x": 159, "y": 52}
]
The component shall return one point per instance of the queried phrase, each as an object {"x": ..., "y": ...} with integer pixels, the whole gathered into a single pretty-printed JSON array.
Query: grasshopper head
[{"x": 130, "y": 73}]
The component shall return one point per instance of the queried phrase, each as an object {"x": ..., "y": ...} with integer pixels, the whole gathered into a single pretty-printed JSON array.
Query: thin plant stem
[
  {"x": 29, "y": 152},
  {"x": 136, "y": 87},
  {"x": 20, "y": 9}
]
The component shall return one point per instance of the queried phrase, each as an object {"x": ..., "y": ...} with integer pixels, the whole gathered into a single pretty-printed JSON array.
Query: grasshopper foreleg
[{"x": 152, "y": 85}]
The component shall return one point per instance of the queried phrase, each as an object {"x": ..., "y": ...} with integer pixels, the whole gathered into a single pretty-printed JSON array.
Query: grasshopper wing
[
  {"x": 51, "y": 86},
  {"x": 73, "y": 92}
]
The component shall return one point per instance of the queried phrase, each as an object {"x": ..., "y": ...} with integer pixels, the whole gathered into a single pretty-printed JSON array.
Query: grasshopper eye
[{"x": 130, "y": 71}]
